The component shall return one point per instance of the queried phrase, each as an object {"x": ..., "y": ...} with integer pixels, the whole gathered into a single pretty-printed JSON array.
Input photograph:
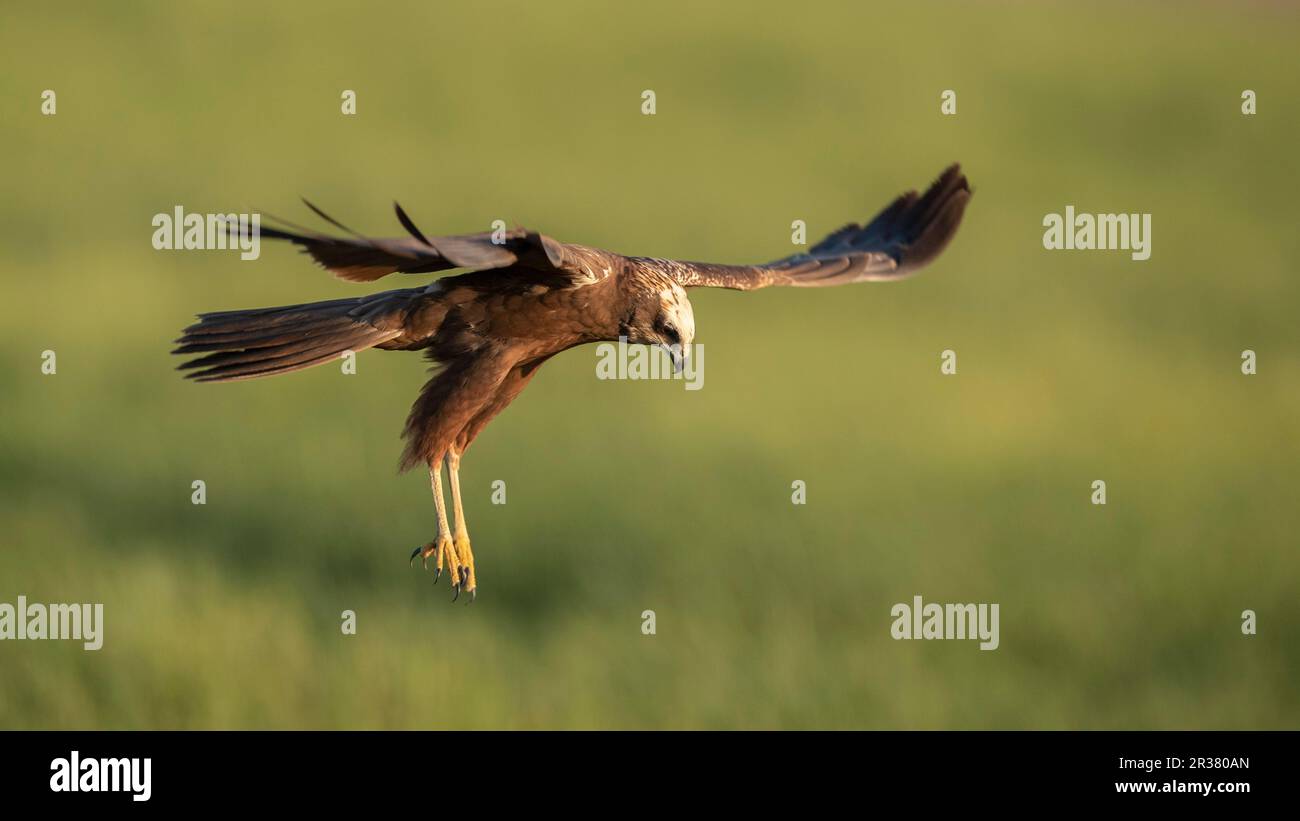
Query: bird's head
[{"x": 662, "y": 316}]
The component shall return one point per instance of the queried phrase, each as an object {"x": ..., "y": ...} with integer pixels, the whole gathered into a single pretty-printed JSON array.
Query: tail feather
[
  {"x": 225, "y": 321},
  {"x": 271, "y": 365},
  {"x": 255, "y": 337},
  {"x": 266, "y": 341},
  {"x": 259, "y": 352}
]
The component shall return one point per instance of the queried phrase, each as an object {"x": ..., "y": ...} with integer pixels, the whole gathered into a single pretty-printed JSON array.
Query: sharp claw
[
  {"x": 437, "y": 574},
  {"x": 473, "y": 595},
  {"x": 455, "y": 595},
  {"x": 415, "y": 553}
]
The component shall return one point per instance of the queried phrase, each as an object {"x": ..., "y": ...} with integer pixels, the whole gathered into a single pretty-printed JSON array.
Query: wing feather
[
  {"x": 358, "y": 258},
  {"x": 904, "y": 237}
]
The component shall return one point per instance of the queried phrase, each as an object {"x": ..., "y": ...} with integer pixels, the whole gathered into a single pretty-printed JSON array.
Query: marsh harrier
[{"x": 525, "y": 298}]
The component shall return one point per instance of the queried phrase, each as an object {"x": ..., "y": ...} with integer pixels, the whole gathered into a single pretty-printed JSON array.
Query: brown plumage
[{"x": 526, "y": 298}]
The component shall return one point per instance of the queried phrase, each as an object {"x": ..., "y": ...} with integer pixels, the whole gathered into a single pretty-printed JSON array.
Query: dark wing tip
[
  {"x": 931, "y": 223},
  {"x": 409, "y": 225},
  {"x": 329, "y": 219}
]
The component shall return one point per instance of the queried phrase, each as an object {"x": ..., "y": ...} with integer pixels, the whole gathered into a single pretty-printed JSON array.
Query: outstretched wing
[
  {"x": 907, "y": 235},
  {"x": 359, "y": 258}
]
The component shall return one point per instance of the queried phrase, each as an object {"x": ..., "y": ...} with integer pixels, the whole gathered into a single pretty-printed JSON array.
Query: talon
[
  {"x": 473, "y": 595},
  {"x": 456, "y": 594},
  {"x": 424, "y": 553},
  {"x": 437, "y": 574}
]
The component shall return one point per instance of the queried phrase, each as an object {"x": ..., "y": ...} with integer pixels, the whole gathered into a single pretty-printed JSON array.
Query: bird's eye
[{"x": 667, "y": 330}]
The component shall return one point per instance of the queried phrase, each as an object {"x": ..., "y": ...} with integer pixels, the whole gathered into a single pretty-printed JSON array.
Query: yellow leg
[
  {"x": 441, "y": 548},
  {"x": 462, "y": 533}
]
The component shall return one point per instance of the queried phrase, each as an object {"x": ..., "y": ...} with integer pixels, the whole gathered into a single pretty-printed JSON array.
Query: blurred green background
[{"x": 627, "y": 496}]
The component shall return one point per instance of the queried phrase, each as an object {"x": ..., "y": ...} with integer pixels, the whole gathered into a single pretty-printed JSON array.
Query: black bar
[{"x": 331, "y": 769}]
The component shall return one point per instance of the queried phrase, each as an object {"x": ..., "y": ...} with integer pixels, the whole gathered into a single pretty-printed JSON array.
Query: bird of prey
[{"x": 525, "y": 298}]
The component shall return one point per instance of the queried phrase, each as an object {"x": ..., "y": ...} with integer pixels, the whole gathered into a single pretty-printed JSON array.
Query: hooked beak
[{"x": 678, "y": 354}]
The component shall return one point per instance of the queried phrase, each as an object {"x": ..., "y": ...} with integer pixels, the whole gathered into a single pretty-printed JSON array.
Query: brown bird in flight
[{"x": 525, "y": 298}]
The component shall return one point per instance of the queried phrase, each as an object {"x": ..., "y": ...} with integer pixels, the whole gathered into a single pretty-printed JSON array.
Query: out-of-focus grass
[{"x": 631, "y": 496}]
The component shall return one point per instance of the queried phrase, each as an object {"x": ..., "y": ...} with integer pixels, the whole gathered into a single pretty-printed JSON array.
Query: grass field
[{"x": 627, "y": 496}]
